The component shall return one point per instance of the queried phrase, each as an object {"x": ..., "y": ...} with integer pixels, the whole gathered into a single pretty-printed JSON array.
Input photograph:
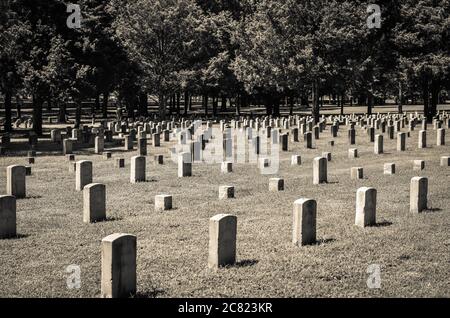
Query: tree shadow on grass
[
  {"x": 16, "y": 237},
  {"x": 383, "y": 224},
  {"x": 431, "y": 210},
  {"x": 150, "y": 293},
  {"x": 31, "y": 197},
  {"x": 325, "y": 241},
  {"x": 246, "y": 263},
  {"x": 112, "y": 218}
]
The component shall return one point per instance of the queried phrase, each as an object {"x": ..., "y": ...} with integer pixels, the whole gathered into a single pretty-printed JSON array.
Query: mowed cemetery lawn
[{"x": 413, "y": 250}]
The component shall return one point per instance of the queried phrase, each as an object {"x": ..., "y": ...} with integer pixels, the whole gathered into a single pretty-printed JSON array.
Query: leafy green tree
[
  {"x": 13, "y": 34},
  {"x": 423, "y": 41},
  {"x": 162, "y": 36},
  {"x": 291, "y": 44}
]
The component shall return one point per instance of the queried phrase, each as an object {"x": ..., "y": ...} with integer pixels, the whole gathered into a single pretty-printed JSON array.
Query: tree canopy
[{"x": 258, "y": 52}]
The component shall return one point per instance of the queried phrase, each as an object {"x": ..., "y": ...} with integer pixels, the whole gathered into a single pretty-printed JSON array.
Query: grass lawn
[{"x": 412, "y": 250}]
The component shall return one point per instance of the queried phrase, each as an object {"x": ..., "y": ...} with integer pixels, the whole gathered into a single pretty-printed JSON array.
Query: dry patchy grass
[{"x": 413, "y": 250}]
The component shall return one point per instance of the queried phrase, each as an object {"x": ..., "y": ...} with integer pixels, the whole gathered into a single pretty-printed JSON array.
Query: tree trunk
[
  {"x": 62, "y": 112},
  {"x": 315, "y": 111},
  {"x": 78, "y": 114},
  {"x": 223, "y": 104},
  {"x": 97, "y": 102},
  {"x": 238, "y": 105},
  {"x": 426, "y": 96},
  {"x": 291, "y": 105},
  {"x": 49, "y": 104},
  {"x": 268, "y": 102},
  {"x": 162, "y": 103},
  {"x": 19, "y": 107},
  {"x": 8, "y": 112},
  {"x": 178, "y": 103},
  {"x": 186, "y": 102},
  {"x": 215, "y": 104},
  {"x": 276, "y": 106},
  {"x": 369, "y": 103},
  {"x": 105, "y": 104},
  {"x": 170, "y": 105},
  {"x": 37, "y": 115},
  {"x": 400, "y": 98},
  {"x": 435, "y": 88},
  {"x": 143, "y": 104},
  {"x": 130, "y": 109},
  {"x": 205, "y": 104}
]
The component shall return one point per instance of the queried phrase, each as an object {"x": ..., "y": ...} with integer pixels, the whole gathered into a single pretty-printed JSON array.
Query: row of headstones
[
  {"x": 99, "y": 142},
  {"x": 87, "y": 134},
  {"x": 353, "y": 152},
  {"x": 185, "y": 166},
  {"x": 397, "y": 120},
  {"x": 119, "y": 251},
  {"x": 283, "y": 139},
  {"x": 285, "y": 122},
  {"x": 401, "y": 142},
  {"x": 94, "y": 205},
  {"x": 83, "y": 168},
  {"x": 378, "y": 146}
]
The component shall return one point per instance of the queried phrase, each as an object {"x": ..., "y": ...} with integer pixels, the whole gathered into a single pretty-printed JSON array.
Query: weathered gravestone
[
  {"x": 319, "y": 170},
  {"x": 445, "y": 161},
  {"x": 118, "y": 266},
  {"x": 94, "y": 203},
  {"x": 163, "y": 202},
  {"x": 99, "y": 144},
  {"x": 296, "y": 160},
  {"x": 137, "y": 172},
  {"x": 142, "y": 146},
  {"x": 156, "y": 140},
  {"x": 356, "y": 173},
  {"x": 366, "y": 204},
  {"x": 308, "y": 140},
  {"x": 304, "y": 222},
  {"x": 418, "y": 165},
  {"x": 326, "y": 155},
  {"x": 184, "y": 165},
  {"x": 378, "y": 146},
  {"x": 7, "y": 216},
  {"x": 222, "y": 240},
  {"x": 83, "y": 171},
  {"x": 276, "y": 184},
  {"x": 158, "y": 159},
  {"x": 389, "y": 168},
  {"x": 119, "y": 163},
  {"x": 418, "y": 194},
  {"x": 227, "y": 167},
  {"x": 440, "y": 138},
  {"x": 351, "y": 136},
  {"x": 353, "y": 153},
  {"x": 16, "y": 181},
  {"x": 401, "y": 141},
  {"x": 422, "y": 139},
  {"x": 67, "y": 146},
  {"x": 226, "y": 192}
]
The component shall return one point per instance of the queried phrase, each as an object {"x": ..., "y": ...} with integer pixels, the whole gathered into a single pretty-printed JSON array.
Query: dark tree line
[{"x": 248, "y": 52}]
